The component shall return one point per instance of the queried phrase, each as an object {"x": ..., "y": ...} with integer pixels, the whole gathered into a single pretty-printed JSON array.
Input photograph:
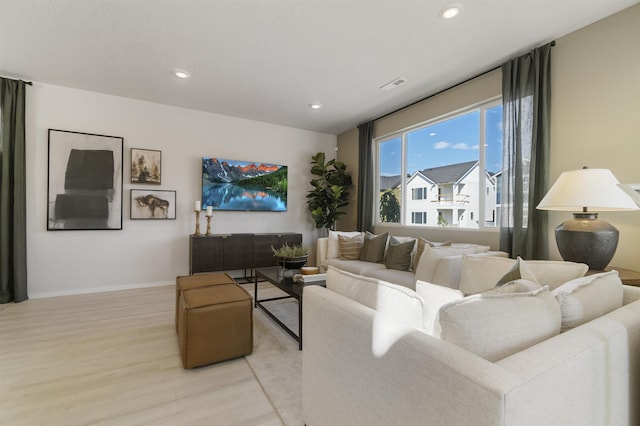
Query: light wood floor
[{"x": 113, "y": 359}]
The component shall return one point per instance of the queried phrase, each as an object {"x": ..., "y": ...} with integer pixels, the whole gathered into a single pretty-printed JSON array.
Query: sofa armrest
[
  {"x": 589, "y": 375},
  {"x": 321, "y": 253},
  {"x": 362, "y": 368}
]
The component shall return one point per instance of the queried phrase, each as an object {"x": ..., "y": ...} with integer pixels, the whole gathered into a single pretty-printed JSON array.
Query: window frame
[{"x": 402, "y": 134}]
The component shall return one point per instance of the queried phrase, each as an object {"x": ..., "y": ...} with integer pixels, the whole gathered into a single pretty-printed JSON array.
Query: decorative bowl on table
[{"x": 296, "y": 262}]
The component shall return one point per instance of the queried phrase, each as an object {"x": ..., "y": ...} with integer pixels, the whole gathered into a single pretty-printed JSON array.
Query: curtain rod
[
  {"x": 553, "y": 43},
  {"x": 30, "y": 83}
]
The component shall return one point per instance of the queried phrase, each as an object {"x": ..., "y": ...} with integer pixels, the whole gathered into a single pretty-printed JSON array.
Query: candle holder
[
  {"x": 208, "y": 226},
  {"x": 197, "y": 233}
]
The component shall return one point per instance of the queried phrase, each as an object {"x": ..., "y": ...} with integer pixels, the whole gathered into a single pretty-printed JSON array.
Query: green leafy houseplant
[
  {"x": 291, "y": 257},
  {"x": 287, "y": 252},
  {"x": 329, "y": 194}
]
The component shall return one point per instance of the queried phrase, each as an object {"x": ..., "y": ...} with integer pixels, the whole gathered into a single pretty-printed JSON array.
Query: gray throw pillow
[
  {"x": 373, "y": 247},
  {"x": 399, "y": 254}
]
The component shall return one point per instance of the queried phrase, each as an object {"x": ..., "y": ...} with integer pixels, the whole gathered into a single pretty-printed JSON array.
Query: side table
[{"x": 627, "y": 276}]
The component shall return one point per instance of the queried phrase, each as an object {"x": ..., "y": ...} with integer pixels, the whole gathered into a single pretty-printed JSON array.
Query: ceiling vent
[{"x": 393, "y": 84}]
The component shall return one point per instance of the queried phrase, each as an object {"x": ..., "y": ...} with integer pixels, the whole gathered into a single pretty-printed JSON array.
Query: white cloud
[
  {"x": 460, "y": 145},
  {"x": 441, "y": 145},
  {"x": 476, "y": 147}
]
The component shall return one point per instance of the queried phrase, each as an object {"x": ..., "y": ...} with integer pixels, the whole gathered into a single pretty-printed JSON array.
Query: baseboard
[{"x": 43, "y": 295}]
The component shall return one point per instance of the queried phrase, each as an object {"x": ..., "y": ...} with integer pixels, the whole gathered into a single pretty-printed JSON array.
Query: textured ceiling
[{"x": 267, "y": 60}]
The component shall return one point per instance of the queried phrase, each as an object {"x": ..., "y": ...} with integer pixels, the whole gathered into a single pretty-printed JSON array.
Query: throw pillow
[
  {"x": 394, "y": 301},
  {"x": 434, "y": 297},
  {"x": 373, "y": 247},
  {"x": 587, "y": 298},
  {"x": 519, "y": 270},
  {"x": 399, "y": 254},
  {"x": 350, "y": 247},
  {"x": 404, "y": 240},
  {"x": 422, "y": 243},
  {"x": 554, "y": 273},
  {"x": 481, "y": 273},
  {"x": 333, "y": 245},
  {"x": 496, "y": 325},
  {"x": 430, "y": 259}
]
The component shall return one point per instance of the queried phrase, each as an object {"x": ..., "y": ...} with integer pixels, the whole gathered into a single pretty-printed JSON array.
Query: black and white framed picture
[
  {"x": 84, "y": 181},
  {"x": 150, "y": 204},
  {"x": 146, "y": 166}
]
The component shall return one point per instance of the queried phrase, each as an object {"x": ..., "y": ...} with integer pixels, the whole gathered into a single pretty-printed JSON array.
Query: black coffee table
[{"x": 275, "y": 276}]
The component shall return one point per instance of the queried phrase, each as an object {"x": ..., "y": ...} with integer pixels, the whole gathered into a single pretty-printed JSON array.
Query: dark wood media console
[{"x": 225, "y": 252}]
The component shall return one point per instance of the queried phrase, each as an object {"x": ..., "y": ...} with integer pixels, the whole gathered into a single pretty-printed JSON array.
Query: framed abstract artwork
[
  {"x": 153, "y": 204},
  {"x": 84, "y": 182},
  {"x": 146, "y": 166}
]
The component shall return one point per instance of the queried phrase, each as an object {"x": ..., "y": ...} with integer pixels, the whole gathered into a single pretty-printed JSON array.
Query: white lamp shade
[{"x": 595, "y": 189}]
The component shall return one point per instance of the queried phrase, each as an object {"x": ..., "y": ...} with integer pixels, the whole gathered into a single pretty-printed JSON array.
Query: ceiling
[{"x": 268, "y": 60}]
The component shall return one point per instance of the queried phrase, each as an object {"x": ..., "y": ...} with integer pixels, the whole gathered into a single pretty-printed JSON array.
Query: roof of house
[
  {"x": 450, "y": 173},
  {"x": 388, "y": 182}
]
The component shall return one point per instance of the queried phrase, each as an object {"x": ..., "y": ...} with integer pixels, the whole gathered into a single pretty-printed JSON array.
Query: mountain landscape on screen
[{"x": 243, "y": 185}]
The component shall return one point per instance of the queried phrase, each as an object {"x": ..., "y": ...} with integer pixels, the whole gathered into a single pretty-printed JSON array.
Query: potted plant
[
  {"x": 329, "y": 194},
  {"x": 291, "y": 257}
]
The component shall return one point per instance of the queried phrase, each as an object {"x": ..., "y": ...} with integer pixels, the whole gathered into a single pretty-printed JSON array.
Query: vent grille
[{"x": 393, "y": 84}]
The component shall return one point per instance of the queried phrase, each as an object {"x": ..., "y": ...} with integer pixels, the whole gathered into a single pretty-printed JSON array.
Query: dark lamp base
[{"x": 587, "y": 239}]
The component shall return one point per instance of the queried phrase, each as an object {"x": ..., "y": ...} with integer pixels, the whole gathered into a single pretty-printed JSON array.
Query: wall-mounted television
[{"x": 243, "y": 185}]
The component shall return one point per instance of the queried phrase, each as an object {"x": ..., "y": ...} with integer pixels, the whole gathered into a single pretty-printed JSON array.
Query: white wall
[{"x": 144, "y": 252}]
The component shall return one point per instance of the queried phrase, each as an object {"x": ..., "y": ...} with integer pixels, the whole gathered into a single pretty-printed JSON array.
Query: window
[
  {"x": 418, "y": 193},
  {"x": 449, "y": 168},
  {"x": 418, "y": 217}
]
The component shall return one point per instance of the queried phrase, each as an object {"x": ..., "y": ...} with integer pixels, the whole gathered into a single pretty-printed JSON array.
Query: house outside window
[{"x": 450, "y": 168}]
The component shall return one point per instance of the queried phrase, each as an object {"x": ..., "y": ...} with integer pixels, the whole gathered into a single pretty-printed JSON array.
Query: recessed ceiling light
[
  {"x": 181, "y": 74},
  {"x": 315, "y": 106},
  {"x": 450, "y": 12}
]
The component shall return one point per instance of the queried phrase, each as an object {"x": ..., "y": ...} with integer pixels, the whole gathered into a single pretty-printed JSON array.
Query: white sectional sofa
[
  {"x": 446, "y": 272},
  {"x": 532, "y": 352}
]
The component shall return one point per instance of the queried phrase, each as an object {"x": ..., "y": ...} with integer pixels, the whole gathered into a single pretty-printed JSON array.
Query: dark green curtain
[
  {"x": 526, "y": 99},
  {"x": 365, "y": 177},
  {"x": 13, "y": 223}
]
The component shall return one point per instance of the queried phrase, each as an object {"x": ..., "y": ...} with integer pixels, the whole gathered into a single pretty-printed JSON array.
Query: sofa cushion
[
  {"x": 430, "y": 259},
  {"x": 398, "y": 254},
  {"x": 494, "y": 325},
  {"x": 404, "y": 239},
  {"x": 394, "y": 301},
  {"x": 554, "y": 273},
  {"x": 393, "y": 276},
  {"x": 482, "y": 273},
  {"x": 350, "y": 247},
  {"x": 359, "y": 267},
  {"x": 587, "y": 298},
  {"x": 421, "y": 244},
  {"x": 333, "y": 246},
  {"x": 373, "y": 247},
  {"x": 519, "y": 270},
  {"x": 434, "y": 297}
]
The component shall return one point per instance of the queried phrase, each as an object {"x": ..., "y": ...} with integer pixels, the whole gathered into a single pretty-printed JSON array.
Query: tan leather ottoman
[
  {"x": 215, "y": 323},
  {"x": 187, "y": 282}
]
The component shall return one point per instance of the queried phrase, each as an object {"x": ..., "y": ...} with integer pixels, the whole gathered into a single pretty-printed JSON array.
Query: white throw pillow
[
  {"x": 333, "y": 245},
  {"x": 497, "y": 324},
  {"x": 482, "y": 273},
  {"x": 587, "y": 298},
  {"x": 434, "y": 297},
  {"x": 398, "y": 302},
  {"x": 430, "y": 258},
  {"x": 554, "y": 273}
]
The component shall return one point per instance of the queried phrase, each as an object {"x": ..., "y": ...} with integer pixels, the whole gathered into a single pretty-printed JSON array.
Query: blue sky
[{"x": 448, "y": 142}]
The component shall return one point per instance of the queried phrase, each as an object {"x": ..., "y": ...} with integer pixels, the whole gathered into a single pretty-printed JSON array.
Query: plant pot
[{"x": 292, "y": 262}]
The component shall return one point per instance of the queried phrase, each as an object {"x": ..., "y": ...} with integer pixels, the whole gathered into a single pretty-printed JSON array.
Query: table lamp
[{"x": 585, "y": 238}]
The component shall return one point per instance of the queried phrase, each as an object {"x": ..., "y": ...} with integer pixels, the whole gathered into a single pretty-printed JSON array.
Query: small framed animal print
[{"x": 153, "y": 205}]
